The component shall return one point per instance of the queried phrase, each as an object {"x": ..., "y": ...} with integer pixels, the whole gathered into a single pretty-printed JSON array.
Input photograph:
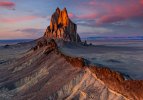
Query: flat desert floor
[{"x": 125, "y": 59}]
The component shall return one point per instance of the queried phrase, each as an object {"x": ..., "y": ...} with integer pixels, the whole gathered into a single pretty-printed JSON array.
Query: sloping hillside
[{"x": 45, "y": 73}]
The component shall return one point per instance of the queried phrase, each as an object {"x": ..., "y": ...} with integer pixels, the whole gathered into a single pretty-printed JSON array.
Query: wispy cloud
[
  {"x": 7, "y": 4},
  {"x": 17, "y": 19},
  {"x": 31, "y": 31},
  {"x": 83, "y": 16},
  {"x": 141, "y": 1},
  {"x": 106, "y": 12},
  {"x": 119, "y": 13}
]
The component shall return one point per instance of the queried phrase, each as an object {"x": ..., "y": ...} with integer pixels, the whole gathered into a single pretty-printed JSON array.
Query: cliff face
[{"x": 62, "y": 27}]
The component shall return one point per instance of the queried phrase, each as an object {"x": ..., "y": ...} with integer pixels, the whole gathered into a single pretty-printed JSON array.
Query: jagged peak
[
  {"x": 58, "y": 10},
  {"x": 65, "y": 10}
]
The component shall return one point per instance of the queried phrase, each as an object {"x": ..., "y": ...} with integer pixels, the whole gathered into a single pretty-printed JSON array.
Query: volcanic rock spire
[{"x": 61, "y": 27}]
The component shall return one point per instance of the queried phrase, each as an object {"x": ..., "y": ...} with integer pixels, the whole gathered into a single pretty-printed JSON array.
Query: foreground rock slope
[{"x": 46, "y": 73}]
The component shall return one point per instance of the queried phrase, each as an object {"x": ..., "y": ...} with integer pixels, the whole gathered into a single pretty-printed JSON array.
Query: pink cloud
[
  {"x": 123, "y": 13},
  {"x": 109, "y": 19},
  {"x": 141, "y": 1},
  {"x": 7, "y": 4},
  {"x": 88, "y": 16},
  {"x": 17, "y": 19},
  {"x": 71, "y": 15},
  {"x": 84, "y": 16},
  {"x": 116, "y": 11},
  {"x": 92, "y": 3}
]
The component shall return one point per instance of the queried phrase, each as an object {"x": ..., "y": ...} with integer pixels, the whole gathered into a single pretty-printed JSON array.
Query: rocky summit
[{"x": 61, "y": 27}]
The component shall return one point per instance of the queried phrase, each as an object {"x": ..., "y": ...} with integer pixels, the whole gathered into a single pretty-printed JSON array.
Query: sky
[{"x": 28, "y": 19}]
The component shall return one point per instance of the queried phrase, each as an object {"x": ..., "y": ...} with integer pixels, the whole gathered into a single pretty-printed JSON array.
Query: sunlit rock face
[{"x": 61, "y": 27}]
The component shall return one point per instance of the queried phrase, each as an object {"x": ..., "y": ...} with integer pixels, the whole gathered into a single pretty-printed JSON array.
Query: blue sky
[{"x": 29, "y": 18}]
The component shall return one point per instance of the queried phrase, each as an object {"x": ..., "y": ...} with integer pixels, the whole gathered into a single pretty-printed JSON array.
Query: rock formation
[{"x": 61, "y": 27}]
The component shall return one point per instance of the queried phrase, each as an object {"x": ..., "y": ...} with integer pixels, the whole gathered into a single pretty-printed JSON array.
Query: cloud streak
[
  {"x": 121, "y": 13},
  {"x": 17, "y": 19},
  {"x": 106, "y": 12},
  {"x": 85, "y": 16},
  {"x": 31, "y": 31},
  {"x": 7, "y": 4}
]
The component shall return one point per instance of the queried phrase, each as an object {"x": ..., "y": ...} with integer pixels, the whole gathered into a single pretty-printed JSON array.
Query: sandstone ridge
[
  {"x": 61, "y": 27},
  {"x": 115, "y": 81}
]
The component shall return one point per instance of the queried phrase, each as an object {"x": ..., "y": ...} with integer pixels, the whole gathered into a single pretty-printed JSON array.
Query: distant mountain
[
  {"x": 114, "y": 38},
  {"x": 14, "y": 41}
]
